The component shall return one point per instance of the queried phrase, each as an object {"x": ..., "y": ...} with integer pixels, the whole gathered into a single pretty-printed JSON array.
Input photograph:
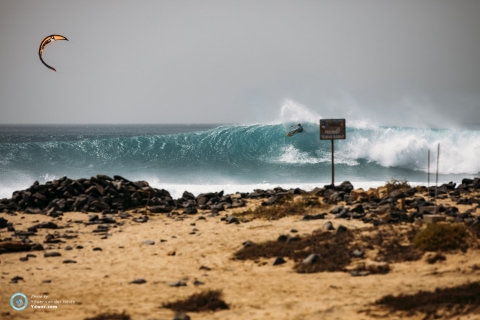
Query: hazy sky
[{"x": 390, "y": 62}]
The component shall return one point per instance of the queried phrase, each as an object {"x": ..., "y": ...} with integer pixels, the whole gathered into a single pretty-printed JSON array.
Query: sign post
[{"x": 332, "y": 129}]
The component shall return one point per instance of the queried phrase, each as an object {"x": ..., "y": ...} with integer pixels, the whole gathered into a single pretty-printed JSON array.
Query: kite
[{"x": 47, "y": 40}]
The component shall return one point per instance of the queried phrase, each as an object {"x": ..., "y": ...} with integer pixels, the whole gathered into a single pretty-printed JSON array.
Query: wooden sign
[{"x": 332, "y": 129}]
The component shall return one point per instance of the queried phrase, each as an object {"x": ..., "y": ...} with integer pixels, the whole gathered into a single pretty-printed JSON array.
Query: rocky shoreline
[
  {"x": 113, "y": 195},
  {"x": 118, "y": 198},
  {"x": 137, "y": 236}
]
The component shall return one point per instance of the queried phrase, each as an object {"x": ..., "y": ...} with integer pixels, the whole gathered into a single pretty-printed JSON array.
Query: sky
[{"x": 405, "y": 63}]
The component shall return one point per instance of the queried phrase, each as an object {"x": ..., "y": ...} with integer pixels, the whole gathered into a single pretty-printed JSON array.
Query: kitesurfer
[{"x": 296, "y": 129}]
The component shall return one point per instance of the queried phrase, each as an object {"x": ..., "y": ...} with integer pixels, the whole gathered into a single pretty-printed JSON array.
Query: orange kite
[{"x": 47, "y": 40}]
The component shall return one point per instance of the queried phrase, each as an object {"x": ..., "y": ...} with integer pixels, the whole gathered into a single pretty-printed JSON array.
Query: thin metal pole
[
  {"x": 333, "y": 169},
  {"x": 436, "y": 181},
  {"x": 428, "y": 170}
]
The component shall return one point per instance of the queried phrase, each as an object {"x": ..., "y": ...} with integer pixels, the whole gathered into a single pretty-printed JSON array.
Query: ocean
[{"x": 203, "y": 158}]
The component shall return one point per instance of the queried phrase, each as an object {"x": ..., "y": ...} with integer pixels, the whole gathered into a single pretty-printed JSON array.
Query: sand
[{"x": 100, "y": 281}]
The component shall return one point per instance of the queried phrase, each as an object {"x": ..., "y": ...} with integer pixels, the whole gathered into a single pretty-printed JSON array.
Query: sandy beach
[{"x": 199, "y": 253}]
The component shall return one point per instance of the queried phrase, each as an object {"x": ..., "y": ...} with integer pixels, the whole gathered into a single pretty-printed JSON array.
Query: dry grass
[
  {"x": 393, "y": 244},
  {"x": 209, "y": 300},
  {"x": 332, "y": 249},
  {"x": 452, "y": 302},
  {"x": 288, "y": 205},
  {"x": 394, "y": 184},
  {"x": 436, "y": 257},
  {"x": 111, "y": 316},
  {"x": 390, "y": 244}
]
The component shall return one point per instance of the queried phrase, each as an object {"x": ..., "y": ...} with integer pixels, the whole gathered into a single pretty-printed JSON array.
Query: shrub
[
  {"x": 441, "y": 237},
  {"x": 456, "y": 301},
  {"x": 394, "y": 184},
  {"x": 209, "y": 300},
  {"x": 332, "y": 250},
  {"x": 284, "y": 207},
  {"x": 111, "y": 316}
]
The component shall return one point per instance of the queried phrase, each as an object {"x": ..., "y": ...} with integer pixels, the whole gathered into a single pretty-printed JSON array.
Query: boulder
[
  {"x": 160, "y": 209},
  {"x": 270, "y": 201},
  {"x": 372, "y": 193},
  {"x": 346, "y": 186},
  {"x": 382, "y": 192},
  {"x": 188, "y": 196},
  {"x": 317, "y": 192},
  {"x": 358, "y": 193}
]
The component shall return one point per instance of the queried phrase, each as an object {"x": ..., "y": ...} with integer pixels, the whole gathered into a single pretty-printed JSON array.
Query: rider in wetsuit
[{"x": 297, "y": 130}]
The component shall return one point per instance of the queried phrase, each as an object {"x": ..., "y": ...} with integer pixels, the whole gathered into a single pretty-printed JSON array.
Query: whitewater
[{"x": 204, "y": 158}]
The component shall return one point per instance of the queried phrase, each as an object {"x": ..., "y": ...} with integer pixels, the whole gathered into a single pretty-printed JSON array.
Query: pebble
[
  {"x": 36, "y": 247},
  {"x": 149, "y": 242},
  {"x": 177, "y": 283},
  {"x": 97, "y": 249},
  {"x": 68, "y": 248},
  {"x": 181, "y": 316},
  {"x": 341, "y": 228},
  {"x": 313, "y": 217},
  {"x": 69, "y": 261},
  {"x": 278, "y": 260},
  {"x": 141, "y": 220},
  {"x": 328, "y": 226},
  {"x": 357, "y": 253},
  {"x": 190, "y": 211},
  {"x": 359, "y": 273},
  {"x": 232, "y": 219},
  {"x": 51, "y": 254},
  {"x": 248, "y": 243},
  {"x": 311, "y": 259},
  {"x": 16, "y": 279},
  {"x": 139, "y": 281}
]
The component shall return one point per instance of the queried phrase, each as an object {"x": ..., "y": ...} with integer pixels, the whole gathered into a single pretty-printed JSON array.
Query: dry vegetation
[
  {"x": 441, "y": 303},
  {"x": 393, "y": 243},
  {"x": 388, "y": 243},
  {"x": 332, "y": 251},
  {"x": 394, "y": 184},
  {"x": 287, "y": 205},
  {"x": 442, "y": 237},
  {"x": 111, "y": 316},
  {"x": 209, "y": 300}
]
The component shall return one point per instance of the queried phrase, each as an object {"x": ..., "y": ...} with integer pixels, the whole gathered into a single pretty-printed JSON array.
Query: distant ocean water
[{"x": 202, "y": 158}]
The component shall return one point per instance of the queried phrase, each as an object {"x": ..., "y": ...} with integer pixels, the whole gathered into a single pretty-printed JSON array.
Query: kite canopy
[{"x": 47, "y": 40}]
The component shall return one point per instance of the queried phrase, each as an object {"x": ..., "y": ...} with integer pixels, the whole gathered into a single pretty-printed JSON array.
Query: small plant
[
  {"x": 436, "y": 257},
  {"x": 456, "y": 301},
  {"x": 393, "y": 244},
  {"x": 441, "y": 237},
  {"x": 209, "y": 300},
  {"x": 111, "y": 316},
  {"x": 394, "y": 184},
  {"x": 332, "y": 250},
  {"x": 287, "y": 205}
]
